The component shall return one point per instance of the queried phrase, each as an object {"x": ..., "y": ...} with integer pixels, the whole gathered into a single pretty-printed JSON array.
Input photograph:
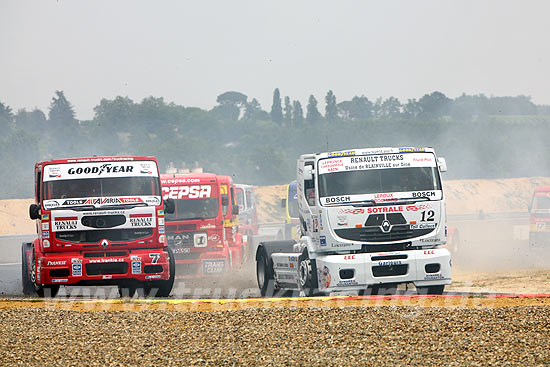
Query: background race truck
[
  {"x": 371, "y": 219},
  {"x": 248, "y": 215},
  {"x": 100, "y": 221},
  {"x": 539, "y": 229},
  {"x": 202, "y": 231},
  {"x": 290, "y": 204}
]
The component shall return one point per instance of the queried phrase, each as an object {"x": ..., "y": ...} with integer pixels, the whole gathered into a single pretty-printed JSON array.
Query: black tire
[
  {"x": 308, "y": 275},
  {"x": 264, "y": 273},
  {"x": 165, "y": 286},
  {"x": 28, "y": 288},
  {"x": 433, "y": 289},
  {"x": 127, "y": 289},
  {"x": 41, "y": 290}
]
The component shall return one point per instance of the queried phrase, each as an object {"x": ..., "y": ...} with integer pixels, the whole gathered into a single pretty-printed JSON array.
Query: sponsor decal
[
  {"x": 182, "y": 250},
  {"x": 60, "y": 280},
  {"x": 187, "y": 192},
  {"x": 385, "y": 209},
  {"x": 51, "y": 204},
  {"x": 161, "y": 221},
  {"x": 389, "y": 263},
  {"x": 135, "y": 258},
  {"x": 337, "y": 199},
  {"x": 411, "y": 150},
  {"x": 152, "y": 200},
  {"x": 161, "y": 229},
  {"x": 160, "y": 212},
  {"x": 45, "y": 234},
  {"x": 106, "y": 260},
  {"x": 74, "y": 202},
  {"x": 175, "y": 181},
  {"x": 324, "y": 277},
  {"x": 376, "y": 161},
  {"x": 429, "y": 239},
  {"x": 132, "y": 200},
  {"x": 423, "y": 194},
  {"x": 351, "y": 211},
  {"x": 342, "y": 220},
  {"x": 340, "y": 245},
  {"x": 77, "y": 270},
  {"x": 54, "y": 172},
  {"x": 56, "y": 263},
  {"x": 136, "y": 267},
  {"x": 45, "y": 217},
  {"x": 342, "y": 154},
  {"x": 429, "y": 252},
  {"x": 141, "y": 220},
  {"x": 146, "y": 168},
  {"x": 210, "y": 267},
  {"x": 105, "y": 168},
  {"x": 214, "y": 237},
  {"x": 107, "y": 277},
  {"x": 349, "y": 257},
  {"x": 323, "y": 240},
  {"x": 347, "y": 283},
  {"x": 208, "y": 226},
  {"x": 423, "y": 226},
  {"x": 65, "y": 223},
  {"x": 76, "y": 260},
  {"x": 434, "y": 276},
  {"x": 157, "y": 276},
  {"x": 417, "y": 207},
  {"x": 383, "y": 197}
]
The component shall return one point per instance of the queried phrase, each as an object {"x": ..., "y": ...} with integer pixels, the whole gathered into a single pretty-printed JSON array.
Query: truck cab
[
  {"x": 100, "y": 221},
  {"x": 202, "y": 231},
  {"x": 292, "y": 218},
  {"x": 370, "y": 219},
  {"x": 248, "y": 216},
  {"x": 539, "y": 217}
]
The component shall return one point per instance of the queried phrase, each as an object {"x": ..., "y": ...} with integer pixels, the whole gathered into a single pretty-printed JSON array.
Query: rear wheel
[
  {"x": 264, "y": 274},
  {"x": 28, "y": 288},
  {"x": 433, "y": 289}
]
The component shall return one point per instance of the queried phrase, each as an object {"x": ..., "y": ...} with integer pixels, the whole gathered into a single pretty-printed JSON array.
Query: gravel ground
[{"x": 385, "y": 335}]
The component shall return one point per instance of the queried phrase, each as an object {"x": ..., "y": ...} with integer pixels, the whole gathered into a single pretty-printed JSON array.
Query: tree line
[{"x": 481, "y": 137}]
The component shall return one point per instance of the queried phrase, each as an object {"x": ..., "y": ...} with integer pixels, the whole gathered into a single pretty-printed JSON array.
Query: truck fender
[
  {"x": 271, "y": 247},
  {"x": 305, "y": 243}
]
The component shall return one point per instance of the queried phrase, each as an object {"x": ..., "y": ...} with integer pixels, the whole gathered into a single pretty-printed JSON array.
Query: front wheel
[
  {"x": 433, "y": 289},
  {"x": 263, "y": 271},
  {"x": 165, "y": 286},
  {"x": 28, "y": 287},
  {"x": 308, "y": 274}
]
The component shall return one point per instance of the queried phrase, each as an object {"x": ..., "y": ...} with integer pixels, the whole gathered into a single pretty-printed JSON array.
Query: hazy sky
[{"x": 190, "y": 52}]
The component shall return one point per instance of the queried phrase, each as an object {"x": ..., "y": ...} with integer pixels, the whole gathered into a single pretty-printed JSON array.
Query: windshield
[
  {"x": 194, "y": 209},
  {"x": 377, "y": 174},
  {"x": 240, "y": 198},
  {"x": 292, "y": 200},
  {"x": 101, "y": 187},
  {"x": 542, "y": 202}
]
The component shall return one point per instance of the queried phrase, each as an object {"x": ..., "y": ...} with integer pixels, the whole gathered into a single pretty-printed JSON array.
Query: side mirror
[
  {"x": 34, "y": 211},
  {"x": 308, "y": 173},
  {"x": 442, "y": 163},
  {"x": 235, "y": 210},
  {"x": 169, "y": 206},
  {"x": 225, "y": 200},
  {"x": 283, "y": 203}
]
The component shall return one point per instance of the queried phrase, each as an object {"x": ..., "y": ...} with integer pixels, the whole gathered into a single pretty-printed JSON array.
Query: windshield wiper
[
  {"x": 363, "y": 203},
  {"x": 194, "y": 218}
]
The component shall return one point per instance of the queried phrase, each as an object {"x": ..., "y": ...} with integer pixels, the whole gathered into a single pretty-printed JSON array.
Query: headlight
[
  {"x": 162, "y": 238},
  {"x": 45, "y": 243}
]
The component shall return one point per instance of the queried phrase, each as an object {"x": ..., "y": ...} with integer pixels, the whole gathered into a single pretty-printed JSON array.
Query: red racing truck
[
  {"x": 539, "y": 218},
  {"x": 248, "y": 214},
  {"x": 100, "y": 221},
  {"x": 203, "y": 230}
]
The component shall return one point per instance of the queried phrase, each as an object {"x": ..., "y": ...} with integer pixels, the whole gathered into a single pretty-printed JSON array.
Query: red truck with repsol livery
[
  {"x": 100, "y": 221},
  {"x": 203, "y": 230}
]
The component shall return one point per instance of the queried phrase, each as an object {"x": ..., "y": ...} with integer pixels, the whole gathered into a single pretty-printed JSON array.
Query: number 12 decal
[{"x": 428, "y": 216}]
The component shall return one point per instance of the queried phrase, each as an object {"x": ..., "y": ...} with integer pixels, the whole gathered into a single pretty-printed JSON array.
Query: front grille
[
  {"x": 107, "y": 268},
  {"x": 375, "y": 234},
  {"x": 181, "y": 239},
  {"x": 389, "y": 270},
  {"x": 388, "y": 248},
  {"x": 112, "y": 235},
  {"x": 103, "y": 221},
  {"x": 179, "y": 227},
  {"x": 188, "y": 256},
  {"x": 59, "y": 273},
  {"x": 389, "y": 257}
]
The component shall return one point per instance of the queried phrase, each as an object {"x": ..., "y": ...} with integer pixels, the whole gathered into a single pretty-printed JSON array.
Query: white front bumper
[{"x": 384, "y": 267}]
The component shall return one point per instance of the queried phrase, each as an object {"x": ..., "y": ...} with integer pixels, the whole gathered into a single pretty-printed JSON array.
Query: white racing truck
[{"x": 371, "y": 219}]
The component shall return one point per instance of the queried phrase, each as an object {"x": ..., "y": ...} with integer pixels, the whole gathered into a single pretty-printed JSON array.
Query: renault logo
[
  {"x": 104, "y": 244},
  {"x": 386, "y": 226}
]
